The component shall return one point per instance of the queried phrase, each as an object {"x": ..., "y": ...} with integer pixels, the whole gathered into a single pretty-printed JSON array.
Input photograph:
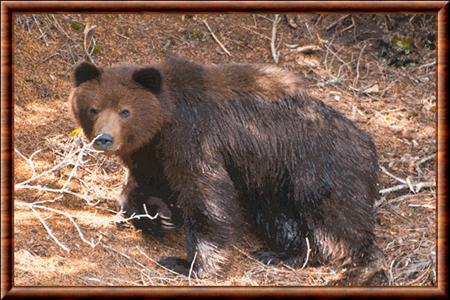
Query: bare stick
[
  {"x": 389, "y": 174},
  {"x": 50, "y": 232},
  {"x": 60, "y": 28},
  {"x": 87, "y": 29},
  {"x": 24, "y": 184},
  {"x": 217, "y": 40},
  {"x": 274, "y": 33},
  {"x": 422, "y": 161},
  {"x": 417, "y": 187},
  {"x": 422, "y": 205},
  {"x": 156, "y": 262},
  {"x": 307, "y": 49},
  {"x": 357, "y": 67},
  {"x": 335, "y": 55},
  {"x": 29, "y": 160},
  {"x": 340, "y": 19},
  {"x": 33, "y": 206},
  {"x": 47, "y": 58},
  {"x": 192, "y": 266},
  {"x": 347, "y": 28},
  {"x": 307, "y": 254},
  {"x": 43, "y": 35},
  {"x": 307, "y": 27},
  {"x": 46, "y": 189},
  {"x": 257, "y": 33}
]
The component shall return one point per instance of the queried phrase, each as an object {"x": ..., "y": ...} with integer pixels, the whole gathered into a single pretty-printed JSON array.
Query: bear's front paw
[{"x": 178, "y": 265}]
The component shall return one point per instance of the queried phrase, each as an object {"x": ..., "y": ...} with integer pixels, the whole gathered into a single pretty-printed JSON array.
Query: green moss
[
  {"x": 96, "y": 49},
  {"x": 402, "y": 44},
  {"x": 76, "y": 26},
  {"x": 197, "y": 34}
]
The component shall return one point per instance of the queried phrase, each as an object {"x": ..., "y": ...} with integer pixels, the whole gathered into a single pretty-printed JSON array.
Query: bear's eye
[
  {"x": 93, "y": 112},
  {"x": 124, "y": 113}
]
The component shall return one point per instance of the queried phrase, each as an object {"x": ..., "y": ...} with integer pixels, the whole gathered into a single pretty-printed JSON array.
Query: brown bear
[{"x": 232, "y": 146}]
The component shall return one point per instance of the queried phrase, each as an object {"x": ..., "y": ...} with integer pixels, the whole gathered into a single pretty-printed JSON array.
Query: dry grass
[{"x": 65, "y": 193}]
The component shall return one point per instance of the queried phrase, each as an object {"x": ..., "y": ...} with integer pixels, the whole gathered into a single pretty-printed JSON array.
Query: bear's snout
[{"x": 103, "y": 142}]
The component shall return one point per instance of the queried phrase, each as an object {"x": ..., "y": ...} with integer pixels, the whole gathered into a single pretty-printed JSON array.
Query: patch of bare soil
[{"x": 379, "y": 70}]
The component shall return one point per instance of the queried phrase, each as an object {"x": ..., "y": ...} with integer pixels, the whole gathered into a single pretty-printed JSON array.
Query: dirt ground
[{"x": 379, "y": 70}]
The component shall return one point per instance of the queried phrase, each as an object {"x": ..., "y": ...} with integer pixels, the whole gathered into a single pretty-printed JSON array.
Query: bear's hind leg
[{"x": 285, "y": 238}]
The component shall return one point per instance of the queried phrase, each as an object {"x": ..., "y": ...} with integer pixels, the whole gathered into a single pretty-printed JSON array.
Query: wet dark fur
[{"x": 234, "y": 145}]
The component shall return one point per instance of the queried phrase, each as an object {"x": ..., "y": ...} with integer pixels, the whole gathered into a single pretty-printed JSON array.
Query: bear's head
[{"x": 121, "y": 107}]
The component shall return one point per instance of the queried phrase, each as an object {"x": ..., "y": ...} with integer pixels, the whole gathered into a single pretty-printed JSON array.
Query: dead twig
[
  {"x": 87, "y": 29},
  {"x": 60, "y": 28},
  {"x": 143, "y": 253},
  {"x": 257, "y": 33},
  {"x": 192, "y": 266},
  {"x": 417, "y": 187},
  {"x": 216, "y": 39},
  {"x": 393, "y": 176},
  {"x": 357, "y": 67},
  {"x": 307, "y": 27},
  {"x": 49, "y": 231},
  {"x": 47, "y": 59},
  {"x": 347, "y": 28},
  {"x": 308, "y": 49},
  {"x": 39, "y": 27},
  {"x": 65, "y": 161},
  {"x": 422, "y": 161},
  {"x": 334, "y": 24},
  {"x": 272, "y": 43},
  {"x": 307, "y": 254},
  {"x": 238, "y": 43},
  {"x": 335, "y": 55}
]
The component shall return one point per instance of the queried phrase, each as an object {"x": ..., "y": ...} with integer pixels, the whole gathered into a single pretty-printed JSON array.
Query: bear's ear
[
  {"x": 85, "y": 72},
  {"x": 150, "y": 78}
]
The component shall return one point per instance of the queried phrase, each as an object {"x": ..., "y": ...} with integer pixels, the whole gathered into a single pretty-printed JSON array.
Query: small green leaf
[{"x": 75, "y": 132}]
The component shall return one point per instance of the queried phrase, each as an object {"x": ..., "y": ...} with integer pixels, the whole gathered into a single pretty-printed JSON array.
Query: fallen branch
[
  {"x": 65, "y": 161},
  {"x": 50, "y": 232},
  {"x": 217, "y": 40},
  {"x": 417, "y": 187}
]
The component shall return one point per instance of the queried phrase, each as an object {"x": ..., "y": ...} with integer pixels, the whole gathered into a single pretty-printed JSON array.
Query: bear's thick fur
[{"x": 234, "y": 146}]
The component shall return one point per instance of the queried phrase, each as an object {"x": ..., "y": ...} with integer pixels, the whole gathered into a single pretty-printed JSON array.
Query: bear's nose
[{"x": 103, "y": 142}]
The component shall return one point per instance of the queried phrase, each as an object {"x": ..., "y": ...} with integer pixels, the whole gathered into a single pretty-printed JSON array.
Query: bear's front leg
[
  {"x": 212, "y": 218},
  {"x": 137, "y": 201}
]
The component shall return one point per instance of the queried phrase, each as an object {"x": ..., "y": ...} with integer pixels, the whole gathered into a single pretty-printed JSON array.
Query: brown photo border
[{"x": 8, "y": 8}]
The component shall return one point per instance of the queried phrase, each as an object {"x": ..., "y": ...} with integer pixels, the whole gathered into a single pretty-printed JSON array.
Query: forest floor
[{"x": 378, "y": 70}]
